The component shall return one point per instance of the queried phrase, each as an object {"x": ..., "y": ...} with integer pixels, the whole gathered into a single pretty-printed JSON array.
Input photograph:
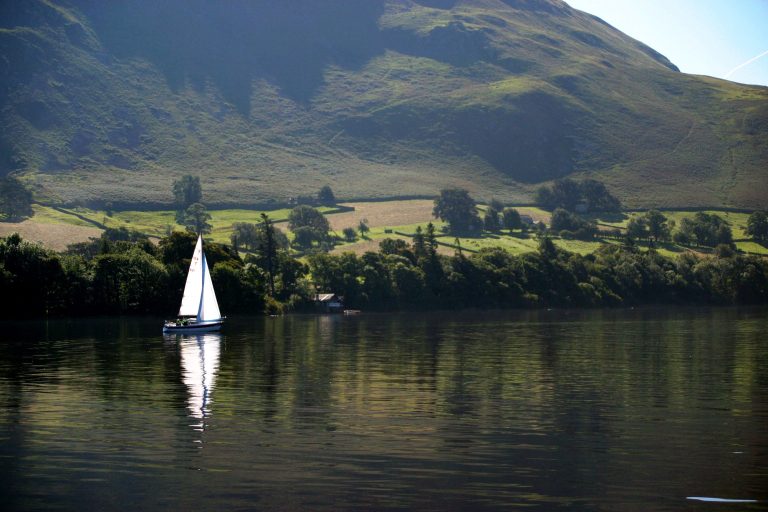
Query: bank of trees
[
  {"x": 577, "y": 196},
  {"x": 704, "y": 229},
  {"x": 15, "y": 200},
  {"x": 757, "y": 226},
  {"x": 133, "y": 275}
]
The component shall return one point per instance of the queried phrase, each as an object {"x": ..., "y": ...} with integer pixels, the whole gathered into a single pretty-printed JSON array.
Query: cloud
[{"x": 747, "y": 63}]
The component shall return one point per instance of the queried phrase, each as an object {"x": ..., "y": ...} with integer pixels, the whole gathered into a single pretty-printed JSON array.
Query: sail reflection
[{"x": 200, "y": 364}]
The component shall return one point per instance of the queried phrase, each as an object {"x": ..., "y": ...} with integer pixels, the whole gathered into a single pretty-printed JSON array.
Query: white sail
[
  {"x": 209, "y": 307},
  {"x": 190, "y": 302},
  {"x": 199, "y": 299}
]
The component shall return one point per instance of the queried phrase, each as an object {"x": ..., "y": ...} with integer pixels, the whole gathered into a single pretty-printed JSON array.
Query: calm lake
[{"x": 628, "y": 410}]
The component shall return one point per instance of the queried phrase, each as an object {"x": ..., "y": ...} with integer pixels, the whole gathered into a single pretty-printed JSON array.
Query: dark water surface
[{"x": 600, "y": 410}]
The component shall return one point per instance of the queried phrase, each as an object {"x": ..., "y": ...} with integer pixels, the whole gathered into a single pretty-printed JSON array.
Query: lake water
[{"x": 629, "y": 410}]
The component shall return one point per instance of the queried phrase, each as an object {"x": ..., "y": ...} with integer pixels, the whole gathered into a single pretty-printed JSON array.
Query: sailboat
[{"x": 199, "y": 311}]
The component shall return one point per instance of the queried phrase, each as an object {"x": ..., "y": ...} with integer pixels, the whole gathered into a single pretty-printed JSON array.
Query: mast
[{"x": 202, "y": 287}]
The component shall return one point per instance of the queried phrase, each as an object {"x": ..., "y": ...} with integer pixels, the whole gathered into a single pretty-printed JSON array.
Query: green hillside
[{"x": 111, "y": 101}]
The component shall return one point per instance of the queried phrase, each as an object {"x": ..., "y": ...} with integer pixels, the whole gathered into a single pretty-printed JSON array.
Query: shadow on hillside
[{"x": 230, "y": 44}]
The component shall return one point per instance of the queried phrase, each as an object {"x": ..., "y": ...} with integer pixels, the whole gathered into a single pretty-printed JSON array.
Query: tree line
[{"x": 123, "y": 273}]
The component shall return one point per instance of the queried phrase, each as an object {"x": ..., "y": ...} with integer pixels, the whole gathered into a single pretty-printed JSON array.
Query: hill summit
[{"x": 111, "y": 101}]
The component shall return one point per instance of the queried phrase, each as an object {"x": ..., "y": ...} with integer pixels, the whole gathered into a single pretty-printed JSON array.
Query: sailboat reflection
[{"x": 200, "y": 364}]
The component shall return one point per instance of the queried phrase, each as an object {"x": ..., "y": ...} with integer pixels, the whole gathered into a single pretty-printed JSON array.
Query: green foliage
[
  {"x": 496, "y": 205},
  {"x": 244, "y": 234},
  {"x": 510, "y": 219},
  {"x": 757, "y": 226},
  {"x": 637, "y": 228},
  {"x": 491, "y": 220},
  {"x": 326, "y": 196},
  {"x": 131, "y": 281},
  {"x": 659, "y": 227},
  {"x": 309, "y": 227},
  {"x": 502, "y": 96},
  {"x": 196, "y": 219},
  {"x": 363, "y": 228},
  {"x": 395, "y": 247},
  {"x": 704, "y": 229},
  {"x": 130, "y": 277},
  {"x": 187, "y": 191},
  {"x": 457, "y": 208},
  {"x": 267, "y": 251},
  {"x": 350, "y": 235},
  {"x": 304, "y": 216},
  {"x": 15, "y": 199},
  {"x": 570, "y": 225},
  {"x": 585, "y": 196}
]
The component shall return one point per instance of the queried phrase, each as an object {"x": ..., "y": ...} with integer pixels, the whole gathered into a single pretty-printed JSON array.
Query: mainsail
[{"x": 199, "y": 299}]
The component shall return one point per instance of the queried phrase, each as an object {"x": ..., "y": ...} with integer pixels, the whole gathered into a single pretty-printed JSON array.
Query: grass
[
  {"x": 386, "y": 219},
  {"x": 53, "y": 235},
  {"x": 737, "y": 220},
  {"x": 437, "y": 101},
  {"x": 752, "y": 247}
]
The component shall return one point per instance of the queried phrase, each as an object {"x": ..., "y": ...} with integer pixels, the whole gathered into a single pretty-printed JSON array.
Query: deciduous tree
[
  {"x": 15, "y": 199},
  {"x": 187, "y": 191},
  {"x": 196, "y": 219},
  {"x": 457, "y": 208},
  {"x": 757, "y": 226}
]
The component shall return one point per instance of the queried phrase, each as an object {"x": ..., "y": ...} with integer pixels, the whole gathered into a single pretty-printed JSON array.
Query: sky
[{"x": 721, "y": 38}]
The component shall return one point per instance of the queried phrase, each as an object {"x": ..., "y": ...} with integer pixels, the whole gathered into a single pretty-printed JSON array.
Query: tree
[
  {"x": 394, "y": 246},
  {"x": 15, "y": 199},
  {"x": 245, "y": 234},
  {"x": 568, "y": 194},
  {"x": 457, "y": 208},
  {"x": 597, "y": 197},
  {"x": 196, "y": 219},
  {"x": 419, "y": 243},
  {"x": 268, "y": 250},
  {"x": 570, "y": 225},
  {"x": 304, "y": 216},
  {"x": 510, "y": 219},
  {"x": 431, "y": 239},
  {"x": 705, "y": 229},
  {"x": 128, "y": 281},
  {"x": 658, "y": 225},
  {"x": 325, "y": 196},
  {"x": 547, "y": 247},
  {"x": 308, "y": 226},
  {"x": 187, "y": 191},
  {"x": 363, "y": 228},
  {"x": 349, "y": 234},
  {"x": 491, "y": 220},
  {"x": 637, "y": 228},
  {"x": 757, "y": 226},
  {"x": 304, "y": 237}
]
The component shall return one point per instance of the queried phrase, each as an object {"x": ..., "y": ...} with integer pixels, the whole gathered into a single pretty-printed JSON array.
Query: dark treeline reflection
[{"x": 590, "y": 410}]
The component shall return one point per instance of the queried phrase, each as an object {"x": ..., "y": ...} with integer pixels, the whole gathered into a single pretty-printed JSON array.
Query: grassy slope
[
  {"x": 388, "y": 219},
  {"x": 482, "y": 96}
]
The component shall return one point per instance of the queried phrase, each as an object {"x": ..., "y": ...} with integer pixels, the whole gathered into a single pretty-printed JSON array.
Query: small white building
[{"x": 329, "y": 303}]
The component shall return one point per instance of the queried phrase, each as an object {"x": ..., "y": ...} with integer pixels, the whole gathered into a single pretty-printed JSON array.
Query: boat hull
[{"x": 193, "y": 327}]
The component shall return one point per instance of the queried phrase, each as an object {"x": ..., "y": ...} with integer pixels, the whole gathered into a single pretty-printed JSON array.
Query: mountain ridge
[{"x": 268, "y": 101}]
